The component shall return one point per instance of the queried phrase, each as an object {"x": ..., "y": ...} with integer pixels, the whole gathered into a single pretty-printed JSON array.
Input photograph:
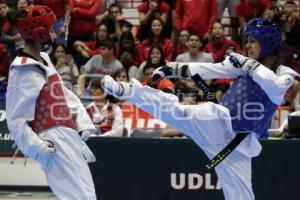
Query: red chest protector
[
  {"x": 51, "y": 107},
  {"x": 107, "y": 122}
]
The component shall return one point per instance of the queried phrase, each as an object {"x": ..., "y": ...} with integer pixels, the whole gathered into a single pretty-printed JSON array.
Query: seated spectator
[
  {"x": 104, "y": 112},
  {"x": 121, "y": 75},
  {"x": 157, "y": 38},
  {"x": 290, "y": 10},
  {"x": 62, "y": 11},
  {"x": 249, "y": 9},
  {"x": 13, "y": 3},
  {"x": 9, "y": 33},
  {"x": 155, "y": 58},
  {"x": 103, "y": 11},
  {"x": 194, "y": 53},
  {"x": 4, "y": 8},
  {"x": 148, "y": 11},
  {"x": 57, "y": 52},
  {"x": 127, "y": 53},
  {"x": 82, "y": 23},
  {"x": 181, "y": 44},
  {"x": 287, "y": 55},
  {"x": 115, "y": 22},
  {"x": 164, "y": 85},
  {"x": 87, "y": 49},
  {"x": 68, "y": 71},
  {"x": 99, "y": 65},
  {"x": 274, "y": 13},
  {"x": 291, "y": 28},
  {"x": 21, "y": 6},
  {"x": 219, "y": 42}
]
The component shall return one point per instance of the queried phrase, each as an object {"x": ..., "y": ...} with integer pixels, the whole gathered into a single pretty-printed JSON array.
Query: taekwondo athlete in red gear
[
  {"x": 45, "y": 118},
  {"x": 246, "y": 107}
]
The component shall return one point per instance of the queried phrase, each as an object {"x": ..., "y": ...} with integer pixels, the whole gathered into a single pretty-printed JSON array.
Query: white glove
[
  {"x": 46, "y": 152},
  {"x": 171, "y": 70},
  {"x": 85, "y": 135},
  {"x": 247, "y": 65},
  {"x": 118, "y": 89}
]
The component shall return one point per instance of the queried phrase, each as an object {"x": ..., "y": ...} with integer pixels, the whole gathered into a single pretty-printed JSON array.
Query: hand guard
[
  {"x": 246, "y": 64},
  {"x": 171, "y": 70},
  {"x": 237, "y": 60},
  {"x": 85, "y": 135},
  {"x": 46, "y": 152},
  {"x": 117, "y": 89}
]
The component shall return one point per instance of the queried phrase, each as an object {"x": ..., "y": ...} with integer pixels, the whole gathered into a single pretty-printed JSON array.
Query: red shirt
[
  {"x": 196, "y": 15},
  {"x": 145, "y": 46},
  {"x": 179, "y": 49},
  {"x": 6, "y": 26},
  {"x": 93, "y": 49},
  {"x": 57, "y": 6},
  {"x": 218, "y": 49},
  {"x": 83, "y": 17},
  {"x": 161, "y": 7},
  {"x": 248, "y": 11}
]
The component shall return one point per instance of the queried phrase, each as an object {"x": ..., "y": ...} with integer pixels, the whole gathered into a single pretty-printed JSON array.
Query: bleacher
[{"x": 130, "y": 12}]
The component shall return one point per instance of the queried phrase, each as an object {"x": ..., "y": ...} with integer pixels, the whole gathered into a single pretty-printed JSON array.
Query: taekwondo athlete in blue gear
[{"x": 246, "y": 107}]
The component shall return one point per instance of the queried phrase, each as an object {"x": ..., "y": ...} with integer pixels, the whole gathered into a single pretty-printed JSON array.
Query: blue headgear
[{"x": 267, "y": 33}]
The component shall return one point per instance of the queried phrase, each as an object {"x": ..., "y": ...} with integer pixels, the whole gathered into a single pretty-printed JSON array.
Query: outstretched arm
[
  {"x": 207, "y": 71},
  {"x": 222, "y": 70}
]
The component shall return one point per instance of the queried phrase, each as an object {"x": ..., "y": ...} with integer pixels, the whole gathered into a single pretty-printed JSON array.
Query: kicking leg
[
  {"x": 196, "y": 121},
  {"x": 163, "y": 106}
]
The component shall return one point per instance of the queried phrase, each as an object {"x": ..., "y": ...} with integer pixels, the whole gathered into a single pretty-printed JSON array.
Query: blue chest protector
[{"x": 250, "y": 108}]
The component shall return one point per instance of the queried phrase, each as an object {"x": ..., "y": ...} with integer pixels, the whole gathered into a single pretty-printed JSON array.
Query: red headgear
[{"x": 37, "y": 23}]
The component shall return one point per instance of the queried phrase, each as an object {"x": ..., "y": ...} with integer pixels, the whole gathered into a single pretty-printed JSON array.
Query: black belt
[
  {"x": 226, "y": 150},
  {"x": 204, "y": 87}
]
